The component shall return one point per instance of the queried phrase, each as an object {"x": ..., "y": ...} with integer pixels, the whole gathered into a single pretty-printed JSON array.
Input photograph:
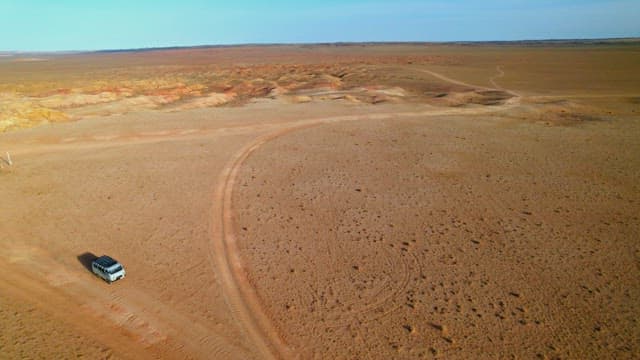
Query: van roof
[{"x": 105, "y": 261}]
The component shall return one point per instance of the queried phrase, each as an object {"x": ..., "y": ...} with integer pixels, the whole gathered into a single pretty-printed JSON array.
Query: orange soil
[{"x": 365, "y": 202}]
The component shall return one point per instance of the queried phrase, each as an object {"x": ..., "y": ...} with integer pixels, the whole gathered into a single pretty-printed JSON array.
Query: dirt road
[{"x": 168, "y": 194}]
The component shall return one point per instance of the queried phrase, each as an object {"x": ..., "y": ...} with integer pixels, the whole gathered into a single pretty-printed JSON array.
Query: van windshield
[{"x": 115, "y": 269}]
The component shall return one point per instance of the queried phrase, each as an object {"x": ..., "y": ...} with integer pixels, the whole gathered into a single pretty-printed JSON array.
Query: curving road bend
[{"x": 240, "y": 296}]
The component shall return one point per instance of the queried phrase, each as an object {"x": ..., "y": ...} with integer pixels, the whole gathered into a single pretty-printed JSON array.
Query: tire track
[
  {"x": 516, "y": 96},
  {"x": 129, "y": 321},
  {"x": 492, "y": 80},
  {"x": 240, "y": 296},
  {"x": 454, "y": 81},
  {"x": 500, "y": 74},
  {"x": 383, "y": 301},
  {"x": 54, "y": 301}
]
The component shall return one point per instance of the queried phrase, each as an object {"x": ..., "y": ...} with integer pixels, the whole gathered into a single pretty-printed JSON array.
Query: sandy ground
[{"x": 438, "y": 202}]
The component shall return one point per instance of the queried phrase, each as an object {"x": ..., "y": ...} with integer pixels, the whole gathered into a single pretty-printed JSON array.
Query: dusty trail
[
  {"x": 21, "y": 285},
  {"x": 240, "y": 295},
  {"x": 500, "y": 74},
  {"x": 141, "y": 321},
  {"x": 136, "y": 180},
  {"x": 516, "y": 96},
  {"x": 454, "y": 81},
  {"x": 114, "y": 140},
  {"x": 515, "y": 99},
  {"x": 121, "y": 139},
  {"x": 153, "y": 324}
]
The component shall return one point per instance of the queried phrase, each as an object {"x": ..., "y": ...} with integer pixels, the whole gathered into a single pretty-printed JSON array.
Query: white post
[{"x": 9, "y": 159}]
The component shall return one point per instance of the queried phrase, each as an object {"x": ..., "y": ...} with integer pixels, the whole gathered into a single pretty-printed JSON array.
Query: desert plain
[{"x": 348, "y": 201}]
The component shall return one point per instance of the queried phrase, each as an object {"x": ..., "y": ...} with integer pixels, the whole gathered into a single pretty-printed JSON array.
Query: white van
[{"x": 107, "y": 268}]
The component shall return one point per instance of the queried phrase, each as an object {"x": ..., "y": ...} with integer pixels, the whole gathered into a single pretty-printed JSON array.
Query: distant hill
[{"x": 542, "y": 42}]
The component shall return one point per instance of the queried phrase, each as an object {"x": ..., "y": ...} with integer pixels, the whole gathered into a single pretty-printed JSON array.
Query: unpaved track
[
  {"x": 191, "y": 336},
  {"x": 158, "y": 321},
  {"x": 500, "y": 74},
  {"x": 454, "y": 81},
  {"x": 514, "y": 100},
  {"x": 240, "y": 295},
  {"x": 18, "y": 284},
  {"x": 517, "y": 96},
  {"x": 143, "y": 321}
]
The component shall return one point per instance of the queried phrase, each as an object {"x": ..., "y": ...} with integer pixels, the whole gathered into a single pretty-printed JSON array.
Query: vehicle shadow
[{"x": 86, "y": 259}]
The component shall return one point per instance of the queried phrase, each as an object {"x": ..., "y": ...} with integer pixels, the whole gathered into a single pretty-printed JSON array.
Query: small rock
[{"x": 409, "y": 328}]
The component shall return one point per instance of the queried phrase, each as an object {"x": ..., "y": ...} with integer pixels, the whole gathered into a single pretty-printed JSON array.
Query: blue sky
[{"x": 46, "y": 25}]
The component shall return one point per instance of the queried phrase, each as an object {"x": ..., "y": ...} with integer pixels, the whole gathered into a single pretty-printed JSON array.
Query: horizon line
[{"x": 596, "y": 40}]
